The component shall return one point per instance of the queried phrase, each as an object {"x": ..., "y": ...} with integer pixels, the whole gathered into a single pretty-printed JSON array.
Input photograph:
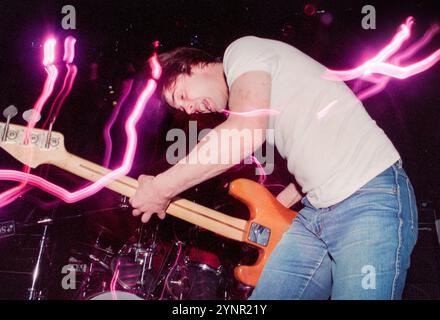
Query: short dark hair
[{"x": 180, "y": 61}]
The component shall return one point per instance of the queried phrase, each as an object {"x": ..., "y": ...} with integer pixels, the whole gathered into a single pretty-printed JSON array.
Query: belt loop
[{"x": 399, "y": 164}]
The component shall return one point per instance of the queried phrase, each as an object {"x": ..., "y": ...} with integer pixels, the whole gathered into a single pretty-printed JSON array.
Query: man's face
[{"x": 203, "y": 91}]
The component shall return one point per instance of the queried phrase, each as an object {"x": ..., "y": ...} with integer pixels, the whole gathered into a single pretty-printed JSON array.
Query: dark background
[{"x": 117, "y": 36}]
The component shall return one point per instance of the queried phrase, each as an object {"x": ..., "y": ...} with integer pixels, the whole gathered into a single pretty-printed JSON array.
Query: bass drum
[
  {"x": 199, "y": 277},
  {"x": 138, "y": 268},
  {"x": 115, "y": 295}
]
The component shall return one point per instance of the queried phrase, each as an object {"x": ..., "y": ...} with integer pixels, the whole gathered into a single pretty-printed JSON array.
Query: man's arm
[{"x": 251, "y": 91}]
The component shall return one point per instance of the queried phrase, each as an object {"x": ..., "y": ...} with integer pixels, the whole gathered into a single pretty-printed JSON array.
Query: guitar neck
[{"x": 186, "y": 210}]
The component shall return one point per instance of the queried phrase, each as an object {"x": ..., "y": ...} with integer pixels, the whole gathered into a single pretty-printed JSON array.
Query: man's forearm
[
  {"x": 189, "y": 171},
  {"x": 181, "y": 177}
]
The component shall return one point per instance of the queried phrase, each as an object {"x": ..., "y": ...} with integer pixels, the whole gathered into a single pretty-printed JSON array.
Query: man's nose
[{"x": 189, "y": 109}]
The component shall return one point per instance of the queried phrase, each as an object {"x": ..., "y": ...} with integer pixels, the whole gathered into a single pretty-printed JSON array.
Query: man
[{"x": 355, "y": 234}]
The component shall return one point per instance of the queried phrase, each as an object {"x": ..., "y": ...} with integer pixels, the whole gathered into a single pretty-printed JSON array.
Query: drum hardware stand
[
  {"x": 148, "y": 255},
  {"x": 85, "y": 283},
  {"x": 35, "y": 294},
  {"x": 89, "y": 273},
  {"x": 171, "y": 268},
  {"x": 96, "y": 260}
]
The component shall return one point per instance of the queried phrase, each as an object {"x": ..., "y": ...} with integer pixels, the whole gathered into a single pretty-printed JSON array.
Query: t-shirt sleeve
[{"x": 248, "y": 54}]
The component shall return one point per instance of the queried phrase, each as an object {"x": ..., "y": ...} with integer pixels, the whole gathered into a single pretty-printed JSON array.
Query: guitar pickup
[{"x": 259, "y": 234}]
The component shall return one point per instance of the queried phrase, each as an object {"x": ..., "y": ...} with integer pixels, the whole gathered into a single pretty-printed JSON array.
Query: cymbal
[
  {"x": 96, "y": 247},
  {"x": 116, "y": 210},
  {"x": 104, "y": 230},
  {"x": 52, "y": 221}
]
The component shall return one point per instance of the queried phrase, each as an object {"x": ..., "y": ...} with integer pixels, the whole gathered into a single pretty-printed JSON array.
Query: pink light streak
[
  {"x": 114, "y": 280},
  {"x": 69, "y": 80},
  {"x": 98, "y": 185},
  {"x": 156, "y": 44},
  {"x": 380, "y": 72},
  {"x": 382, "y": 81},
  {"x": 69, "y": 44},
  {"x": 262, "y": 177},
  {"x": 72, "y": 70},
  {"x": 126, "y": 88},
  {"x": 366, "y": 68},
  {"x": 323, "y": 112},
  {"x": 69, "y": 49},
  {"x": 252, "y": 113},
  {"x": 155, "y": 67},
  {"x": 12, "y": 194},
  {"x": 399, "y": 72},
  {"x": 49, "y": 52},
  {"x": 373, "y": 90},
  {"x": 275, "y": 185},
  {"x": 52, "y": 72},
  {"x": 396, "y": 43},
  {"x": 156, "y": 72},
  {"x": 427, "y": 37},
  {"x": 91, "y": 189}
]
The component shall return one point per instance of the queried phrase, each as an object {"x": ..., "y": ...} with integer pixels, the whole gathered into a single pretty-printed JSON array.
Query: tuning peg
[
  {"x": 8, "y": 113},
  {"x": 31, "y": 115}
]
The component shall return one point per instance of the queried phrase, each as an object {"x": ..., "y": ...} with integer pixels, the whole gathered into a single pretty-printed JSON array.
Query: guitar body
[{"x": 267, "y": 223}]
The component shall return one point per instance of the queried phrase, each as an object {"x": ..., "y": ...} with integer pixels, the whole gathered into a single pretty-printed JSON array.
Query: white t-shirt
[{"x": 332, "y": 145}]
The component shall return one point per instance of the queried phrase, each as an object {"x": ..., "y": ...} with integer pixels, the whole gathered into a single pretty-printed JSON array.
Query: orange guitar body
[{"x": 268, "y": 217}]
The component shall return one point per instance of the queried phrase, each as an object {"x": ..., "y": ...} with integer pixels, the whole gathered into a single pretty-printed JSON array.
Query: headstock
[{"x": 43, "y": 146}]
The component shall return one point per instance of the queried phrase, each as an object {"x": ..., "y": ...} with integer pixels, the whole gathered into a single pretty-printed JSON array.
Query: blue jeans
[{"x": 357, "y": 249}]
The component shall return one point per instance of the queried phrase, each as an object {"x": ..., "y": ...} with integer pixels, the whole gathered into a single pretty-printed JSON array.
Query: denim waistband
[
  {"x": 396, "y": 168},
  {"x": 398, "y": 164}
]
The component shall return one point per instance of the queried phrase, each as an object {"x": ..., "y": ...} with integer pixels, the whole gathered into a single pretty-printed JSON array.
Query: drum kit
[
  {"x": 161, "y": 260},
  {"x": 148, "y": 267}
]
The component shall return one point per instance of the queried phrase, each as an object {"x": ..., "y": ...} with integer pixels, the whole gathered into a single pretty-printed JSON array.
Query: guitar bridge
[{"x": 259, "y": 234}]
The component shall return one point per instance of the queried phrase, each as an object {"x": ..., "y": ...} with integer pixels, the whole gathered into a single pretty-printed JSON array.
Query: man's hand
[{"x": 150, "y": 198}]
